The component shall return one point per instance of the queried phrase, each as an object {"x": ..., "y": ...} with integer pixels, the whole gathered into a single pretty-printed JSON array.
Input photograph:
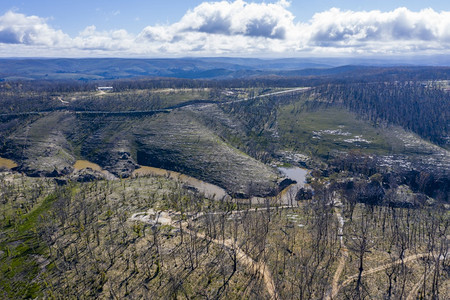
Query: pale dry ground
[
  {"x": 257, "y": 267},
  {"x": 260, "y": 267},
  {"x": 415, "y": 289},
  {"x": 342, "y": 259}
]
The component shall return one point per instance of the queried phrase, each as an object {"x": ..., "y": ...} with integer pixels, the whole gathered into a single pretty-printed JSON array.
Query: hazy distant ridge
[{"x": 217, "y": 68}]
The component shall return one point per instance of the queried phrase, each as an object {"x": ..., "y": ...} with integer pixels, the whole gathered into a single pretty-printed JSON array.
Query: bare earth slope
[{"x": 50, "y": 144}]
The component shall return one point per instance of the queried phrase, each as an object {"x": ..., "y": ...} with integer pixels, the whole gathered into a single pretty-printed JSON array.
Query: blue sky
[
  {"x": 229, "y": 28},
  {"x": 72, "y": 16}
]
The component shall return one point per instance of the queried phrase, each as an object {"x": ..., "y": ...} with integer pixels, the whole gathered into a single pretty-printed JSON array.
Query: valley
[{"x": 251, "y": 188}]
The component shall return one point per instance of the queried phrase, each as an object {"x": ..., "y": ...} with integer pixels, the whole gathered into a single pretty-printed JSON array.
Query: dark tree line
[
  {"x": 426, "y": 182},
  {"x": 423, "y": 109}
]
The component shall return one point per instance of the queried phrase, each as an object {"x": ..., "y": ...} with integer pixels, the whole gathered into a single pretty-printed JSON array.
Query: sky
[{"x": 244, "y": 28}]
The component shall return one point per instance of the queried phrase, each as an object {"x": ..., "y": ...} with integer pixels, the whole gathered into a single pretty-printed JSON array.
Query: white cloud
[
  {"x": 224, "y": 27},
  {"x": 17, "y": 28},
  {"x": 91, "y": 39},
  {"x": 271, "y": 20},
  {"x": 399, "y": 27},
  {"x": 240, "y": 28}
]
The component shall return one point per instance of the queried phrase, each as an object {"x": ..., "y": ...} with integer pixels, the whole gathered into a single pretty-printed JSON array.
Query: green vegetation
[
  {"x": 101, "y": 240},
  {"x": 24, "y": 203},
  {"x": 319, "y": 131},
  {"x": 371, "y": 222}
]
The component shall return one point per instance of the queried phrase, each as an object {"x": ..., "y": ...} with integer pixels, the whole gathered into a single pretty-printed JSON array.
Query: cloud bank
[{"x": 240, "y": 28}]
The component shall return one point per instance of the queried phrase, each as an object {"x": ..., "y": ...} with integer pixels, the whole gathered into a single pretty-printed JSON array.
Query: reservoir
[{"x": 295, "y": 173}]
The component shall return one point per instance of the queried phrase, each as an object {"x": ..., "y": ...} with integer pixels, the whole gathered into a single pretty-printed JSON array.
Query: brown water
[
  {"x": 84, "y": 164},
  {"x": 7, "y": 163},
  {"x": 210, "y": 190}
]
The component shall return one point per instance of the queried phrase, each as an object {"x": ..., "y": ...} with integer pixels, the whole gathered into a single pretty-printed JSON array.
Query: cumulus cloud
[
  {"x": 348, "y": 28},
  {"x": 91, "y": 39},
  {"x": 242, "y": 28},
  {"x": 17, "y": 28},
  {"x": 238, "y": 18},
  {"x": 270, "y": 20}
]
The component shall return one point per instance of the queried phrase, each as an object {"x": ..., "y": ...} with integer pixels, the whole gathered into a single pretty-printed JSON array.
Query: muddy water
[
  {"x": 7, "y": 163},
  {"x": 83, "y": 164},
  {"x": 286, "y": 197},
  {"x": 210, "y": 190}
]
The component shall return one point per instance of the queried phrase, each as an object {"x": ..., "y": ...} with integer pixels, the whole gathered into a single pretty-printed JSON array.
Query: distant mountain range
[{"x": 204, "y": 68}]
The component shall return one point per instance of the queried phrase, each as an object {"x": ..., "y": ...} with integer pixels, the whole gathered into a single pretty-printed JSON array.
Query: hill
[
  {"x": 183, "y": 188},
  {"x": 87, "y": 69}
]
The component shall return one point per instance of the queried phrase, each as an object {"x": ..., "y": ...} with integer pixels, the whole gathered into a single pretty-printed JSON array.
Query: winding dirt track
[
  {"x": 257, "y": 267},
  {"x": 412, "y": 295},
  {"x": 164, "y": 110},
  {"x": 342, "y": 261},
  {"x": 335, "y": 287},
  {"x": 383, "y": 267}
]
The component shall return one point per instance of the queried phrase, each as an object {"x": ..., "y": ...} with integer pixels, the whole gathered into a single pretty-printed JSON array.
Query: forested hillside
[{"x": 423, "y": 108}]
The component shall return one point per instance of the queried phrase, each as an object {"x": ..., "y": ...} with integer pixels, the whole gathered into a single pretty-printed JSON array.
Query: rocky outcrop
[
  {"x": 284, "y": 183},
  {"x": 118, "y": 162},
  {"x": 89, "y": 175},
  {"x": 402, "y": 196}
]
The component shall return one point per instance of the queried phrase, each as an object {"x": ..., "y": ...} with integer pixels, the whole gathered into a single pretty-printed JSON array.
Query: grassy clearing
[{"x": 320, "y": 131}]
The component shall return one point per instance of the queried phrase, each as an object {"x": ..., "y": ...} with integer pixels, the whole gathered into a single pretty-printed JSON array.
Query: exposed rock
[
  {"x": 89, "y": 175},
  {"x": 116, "y": 162},
  {"x": 402, "y": 196},
  {"x": 31, "y": 169}
]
